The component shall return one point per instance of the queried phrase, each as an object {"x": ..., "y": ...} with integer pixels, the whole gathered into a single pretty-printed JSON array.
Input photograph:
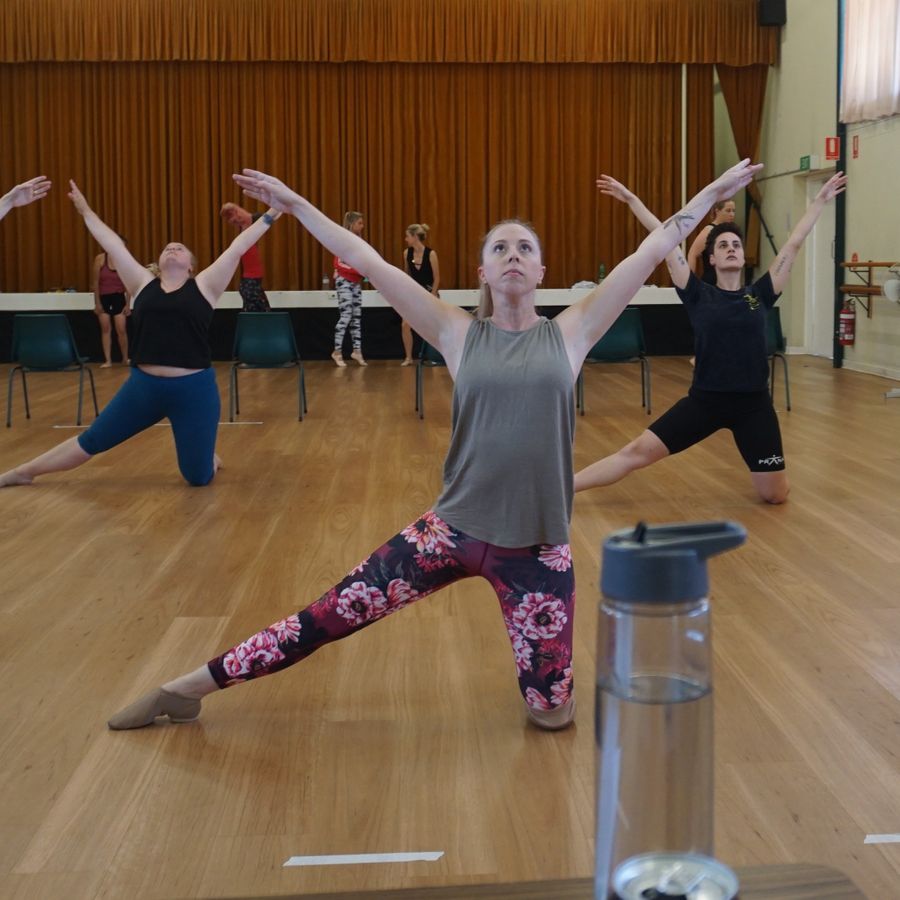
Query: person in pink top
[
  {"x": 348, "y": 287},
  {"x": 111, "y": 305},
  {"x": 251, "y": 284}
]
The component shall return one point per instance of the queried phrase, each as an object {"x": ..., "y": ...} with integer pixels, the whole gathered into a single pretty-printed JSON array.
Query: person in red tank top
[{"x": 252, "y": 272}]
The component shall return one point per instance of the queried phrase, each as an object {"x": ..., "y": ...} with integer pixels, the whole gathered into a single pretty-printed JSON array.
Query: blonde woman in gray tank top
[{"x": 506, "y": 502}]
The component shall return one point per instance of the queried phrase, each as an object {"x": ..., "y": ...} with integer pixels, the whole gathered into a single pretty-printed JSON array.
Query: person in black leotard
[{"x": 421, "y": 263}]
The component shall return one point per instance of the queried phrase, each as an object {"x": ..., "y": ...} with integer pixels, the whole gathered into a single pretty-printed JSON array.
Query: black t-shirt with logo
[{"x": 729, "y": 334}]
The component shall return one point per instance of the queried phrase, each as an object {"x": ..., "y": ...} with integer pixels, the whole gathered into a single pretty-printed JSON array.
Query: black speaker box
[{"x": 772, "y": 12}]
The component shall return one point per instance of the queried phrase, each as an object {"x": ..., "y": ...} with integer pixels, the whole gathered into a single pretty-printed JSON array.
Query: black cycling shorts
[
  {"x": 113, "y": 304},
  {"x": 750, "y": 417}
]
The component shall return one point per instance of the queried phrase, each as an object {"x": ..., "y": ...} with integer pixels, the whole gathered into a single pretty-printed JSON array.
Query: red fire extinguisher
[{"x": 847, "y": 324}]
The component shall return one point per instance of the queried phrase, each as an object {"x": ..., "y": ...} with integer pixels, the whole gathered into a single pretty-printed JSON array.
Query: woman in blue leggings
[{"x": 172, "y": 376}]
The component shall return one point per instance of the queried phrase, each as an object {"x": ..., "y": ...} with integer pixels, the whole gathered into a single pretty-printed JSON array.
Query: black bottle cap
[{"x": 664, "y": 563}]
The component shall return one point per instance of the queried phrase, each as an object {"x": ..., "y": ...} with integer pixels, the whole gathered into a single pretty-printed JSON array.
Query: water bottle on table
[{"x": 654, "y": 716}]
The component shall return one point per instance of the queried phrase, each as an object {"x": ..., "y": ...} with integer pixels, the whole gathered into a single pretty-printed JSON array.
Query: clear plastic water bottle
[
  {"x": 654, "y": 716},
  {"x": 326, "y": 283},
  {"x": 601, "y": 272}
]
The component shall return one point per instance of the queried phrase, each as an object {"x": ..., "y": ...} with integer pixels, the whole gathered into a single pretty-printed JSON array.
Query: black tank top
[
  {"x": 171, "y": 329},
  {"x": 424, "y": 275}
]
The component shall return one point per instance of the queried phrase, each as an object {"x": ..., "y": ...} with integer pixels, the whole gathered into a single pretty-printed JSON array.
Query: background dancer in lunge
[
  {"x": 730, "y": 385},
  {"x": 172, "y": 375}
]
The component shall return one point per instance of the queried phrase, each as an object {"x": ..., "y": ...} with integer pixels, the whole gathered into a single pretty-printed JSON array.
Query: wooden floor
[{"x": 411, "y": 736}]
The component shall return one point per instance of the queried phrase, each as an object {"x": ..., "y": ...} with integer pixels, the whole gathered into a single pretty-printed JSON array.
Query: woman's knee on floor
[
  {"x": 197, "y": 475},
  {"x": 772, "y": 487}
]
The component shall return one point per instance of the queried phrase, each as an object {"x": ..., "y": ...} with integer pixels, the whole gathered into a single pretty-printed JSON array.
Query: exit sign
[{"x": 807, "y": 163}]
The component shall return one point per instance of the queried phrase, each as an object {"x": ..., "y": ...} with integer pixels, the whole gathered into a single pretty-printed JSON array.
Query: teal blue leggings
[{"x": 189, "y": 402}]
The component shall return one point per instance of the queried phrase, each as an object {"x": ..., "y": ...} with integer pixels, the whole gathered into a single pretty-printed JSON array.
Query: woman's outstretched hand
[
  {"x": 835, "y": 185},
  {"x": 614, "y": 189},
  {"x": 267, "y": 189},
  {"x": 77, "y": 198},
  {"x": 27, "y": 192},
  {"x": 735, "y": 179}
]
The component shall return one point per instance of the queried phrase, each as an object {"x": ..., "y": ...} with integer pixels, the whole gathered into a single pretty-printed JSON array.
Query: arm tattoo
[
  {"x": 780, "y": 265},
  {"x": 681, "y": 260},
  {"x": 685, "y": 217}
]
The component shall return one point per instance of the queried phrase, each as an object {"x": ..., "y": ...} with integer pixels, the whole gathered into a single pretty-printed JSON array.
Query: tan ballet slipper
[{"x": 150, "y": 707}]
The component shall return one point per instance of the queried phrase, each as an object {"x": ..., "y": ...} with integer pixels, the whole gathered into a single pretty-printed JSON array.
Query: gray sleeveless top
[{"x": 508, "y": 472}]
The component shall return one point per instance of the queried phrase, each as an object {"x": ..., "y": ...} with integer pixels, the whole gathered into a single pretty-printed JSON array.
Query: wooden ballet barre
[
  {"x": 868, "y": 264},
  {"x": 867, "y": 289},
  {"x": 873, "y": 290}
]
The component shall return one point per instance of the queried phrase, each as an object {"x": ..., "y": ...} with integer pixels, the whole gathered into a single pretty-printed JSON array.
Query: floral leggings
[
  {"x": 535, "y": 586},
  {"x": 253, "y": 296},
  {"x": 349, "y": 298}
]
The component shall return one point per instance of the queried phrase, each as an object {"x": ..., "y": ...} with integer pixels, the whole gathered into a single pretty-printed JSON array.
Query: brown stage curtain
[
  {"x": 744, "y": 90},
  {"x": 457, "y": 146},
  {"x": 469, "y": 31}
]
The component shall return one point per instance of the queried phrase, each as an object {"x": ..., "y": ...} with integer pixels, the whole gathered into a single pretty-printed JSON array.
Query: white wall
[
  {"x": 873, "y": 231},
  {"x": 800, "y": 112}
]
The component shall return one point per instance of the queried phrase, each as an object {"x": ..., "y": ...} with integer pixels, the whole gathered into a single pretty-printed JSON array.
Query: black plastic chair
[
  {"x": 430, "y": 357},
  {"x": 265, "y": 340},
  {"x": 623, "y": 343},
  {"x": 43, "y": 342},
  {"x": 775, "y": 349}
]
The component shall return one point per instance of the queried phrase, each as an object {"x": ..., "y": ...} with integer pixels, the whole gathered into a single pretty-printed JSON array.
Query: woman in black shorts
[
  {"x": 110, "y": 306},
  {"x": 730, "y": 386}
]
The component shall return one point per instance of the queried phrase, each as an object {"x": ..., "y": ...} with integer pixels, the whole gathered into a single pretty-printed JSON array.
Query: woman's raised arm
[
  {"x": 585, "y": 322},
  {"x": 134, "y": 275}
]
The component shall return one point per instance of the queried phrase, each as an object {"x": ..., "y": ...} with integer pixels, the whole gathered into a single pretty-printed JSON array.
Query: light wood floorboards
[{"x": 411, "y": 735}]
